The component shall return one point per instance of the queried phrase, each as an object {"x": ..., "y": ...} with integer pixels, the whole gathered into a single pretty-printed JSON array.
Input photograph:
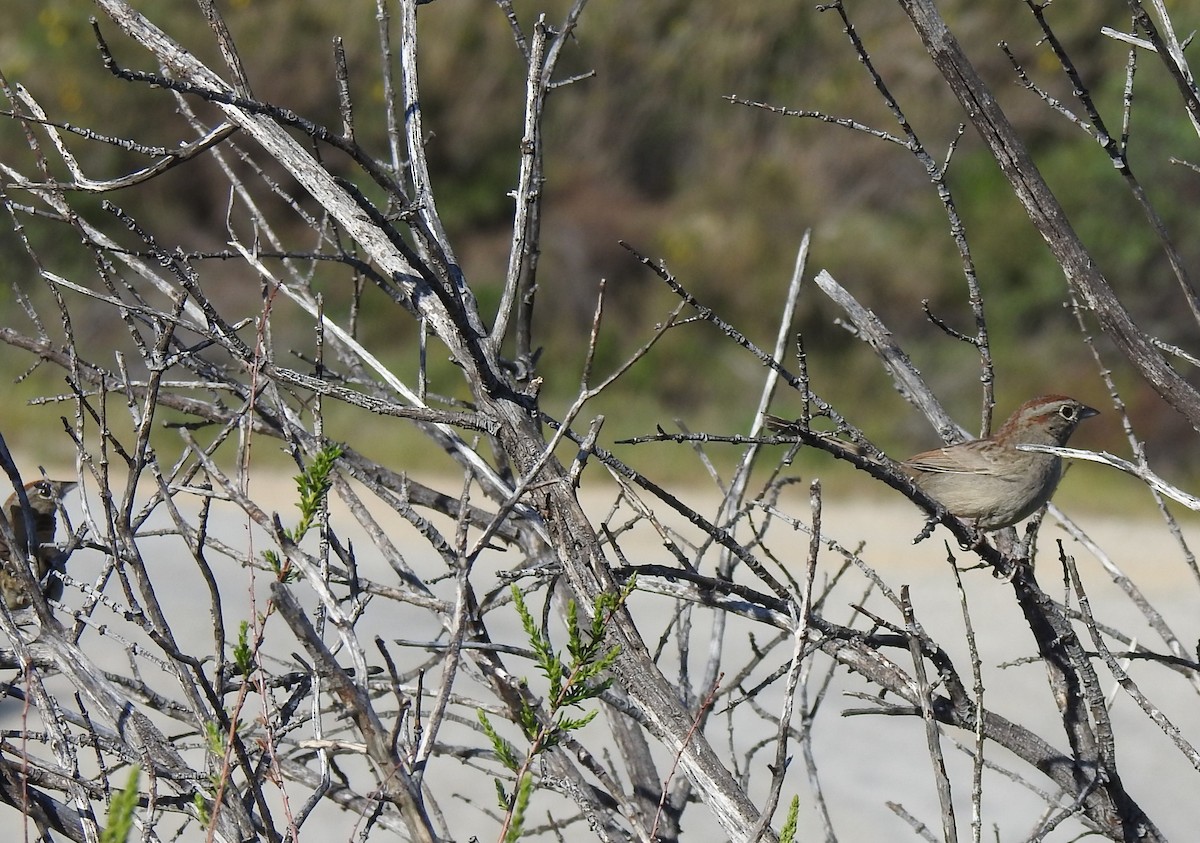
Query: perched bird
[
  {"x": 44, "y": 497},
  {"x": 989, "y": 480}
]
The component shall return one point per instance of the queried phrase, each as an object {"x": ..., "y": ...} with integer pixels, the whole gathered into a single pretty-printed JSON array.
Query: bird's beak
[{"x": 1086, "y": 412}]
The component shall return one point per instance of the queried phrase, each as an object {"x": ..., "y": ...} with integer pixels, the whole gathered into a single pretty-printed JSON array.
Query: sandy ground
[{"x": 864, "y": 762}]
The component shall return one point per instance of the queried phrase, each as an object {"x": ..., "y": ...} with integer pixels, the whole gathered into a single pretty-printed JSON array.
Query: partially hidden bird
[
  {"x": 992, "y": 482},
  {"x": 44, "y": 497}
]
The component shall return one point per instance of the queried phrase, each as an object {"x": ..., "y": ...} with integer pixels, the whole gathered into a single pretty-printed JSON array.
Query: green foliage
[
  {"x": 573, "y": 683},
  {"x": 201, "y": 806},
  {"x": 647, "y": 150},
  {"x": 503, "y": 799},
  {"x": 505, "y": 751},
  {"x": 214, "y": 738},
  {"x": 570, "y": 684},
  {"x": 656, "y": 167},
  {"x": 788, "y": 833},
  {"x": 313, "y": 484},
  {"x": 243, "y": 653},
  {"x": 524, "y": 792},
  {"x": 120, "y": 810},
  {"x": 284, "y": 572}
]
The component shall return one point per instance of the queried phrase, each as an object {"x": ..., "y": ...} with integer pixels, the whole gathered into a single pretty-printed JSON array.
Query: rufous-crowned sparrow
[
  {"x": 44, "y": 496},
  {"x": 991, "y": 482}
]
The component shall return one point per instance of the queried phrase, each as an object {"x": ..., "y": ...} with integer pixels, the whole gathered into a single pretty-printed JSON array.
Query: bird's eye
[
  {"x": 1067, "y": 412},
  {"x": 43, "y": 489}
]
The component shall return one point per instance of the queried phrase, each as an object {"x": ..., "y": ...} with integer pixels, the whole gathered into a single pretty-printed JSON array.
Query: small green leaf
[
  {"x": 243, "y": 654},
  {"x": 504, "y": 750},
  {"x": 788, "y": 834},
  {"x": 313, "y": 484},
  {"x": 201, "y": 807},
  {"x": 120, "y": 810},
  {"x": 524, "y": 792},
  {"x": 502, "y": 796},
  {"x": 569, "y": 685},
  {"x": 285, "y": 572},
  {"x": 214, "y": 737},
  {"x": 570, "y": 724}
]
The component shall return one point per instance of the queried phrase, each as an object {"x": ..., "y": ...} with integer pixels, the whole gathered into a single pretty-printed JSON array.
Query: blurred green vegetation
[{"x": 649, "y": 150}]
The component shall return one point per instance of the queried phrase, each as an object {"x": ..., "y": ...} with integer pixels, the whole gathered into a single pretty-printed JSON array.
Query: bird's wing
[{"x": 949, "y": 461}]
